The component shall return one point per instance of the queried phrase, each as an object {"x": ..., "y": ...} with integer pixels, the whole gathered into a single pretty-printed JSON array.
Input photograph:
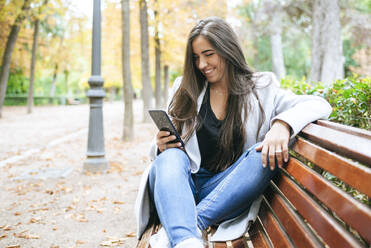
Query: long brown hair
[{"x": 183, "y": 106}]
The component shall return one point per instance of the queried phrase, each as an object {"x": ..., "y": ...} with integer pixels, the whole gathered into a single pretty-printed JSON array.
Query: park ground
[{"x": 47, "y": 200}]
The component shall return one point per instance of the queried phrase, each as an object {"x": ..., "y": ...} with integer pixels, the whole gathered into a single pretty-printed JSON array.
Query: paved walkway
[{"x": 45, "y": 198}]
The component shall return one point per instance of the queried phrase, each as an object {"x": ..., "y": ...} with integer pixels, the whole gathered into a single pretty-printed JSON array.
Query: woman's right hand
[{"x": 162, "y": 139}]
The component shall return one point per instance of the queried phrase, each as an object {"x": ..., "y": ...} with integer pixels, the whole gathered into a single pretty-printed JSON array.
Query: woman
[{"x": 236, "y": 125}]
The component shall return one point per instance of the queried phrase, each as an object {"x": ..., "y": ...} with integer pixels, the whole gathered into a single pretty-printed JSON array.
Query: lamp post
[{"x": 96, "y": 160}]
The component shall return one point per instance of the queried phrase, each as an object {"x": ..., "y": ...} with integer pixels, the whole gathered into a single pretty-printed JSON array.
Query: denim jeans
[{"x": 185, "y": 201}]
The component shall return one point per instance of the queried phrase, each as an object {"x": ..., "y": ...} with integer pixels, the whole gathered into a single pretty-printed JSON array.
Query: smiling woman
[
  {"x": 236, "y": 125},
  {"x": 211, "y": 65}
]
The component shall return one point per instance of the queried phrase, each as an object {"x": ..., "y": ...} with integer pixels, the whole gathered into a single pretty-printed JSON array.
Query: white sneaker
[
  {"x": 190, "y": 243},
  {"x": 160, "y": 239}
]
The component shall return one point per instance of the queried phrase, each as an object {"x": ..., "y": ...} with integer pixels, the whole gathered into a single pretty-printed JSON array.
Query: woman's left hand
[{"x": 275, "y": 145}]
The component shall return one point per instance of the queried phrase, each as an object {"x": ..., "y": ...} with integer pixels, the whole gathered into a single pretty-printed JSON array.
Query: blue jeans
[{"x": 185, "y": 201}]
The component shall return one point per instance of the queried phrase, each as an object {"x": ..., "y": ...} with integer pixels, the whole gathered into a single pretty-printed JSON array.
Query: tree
[
  {"x": 327, "y": 62},
  {"x": 7, "y": 56},
  {"x": 158, "y": 87},
  {"x": 128, "y": 129},
  {"x": 33, "y": 56},
  {"x": 166, "y": 83},
  {"x": 275, "y": 9},
  {"x": 144, "y": 44},
  {"x": 33, "y": 62},
  {"x": 266, "y": 19}
]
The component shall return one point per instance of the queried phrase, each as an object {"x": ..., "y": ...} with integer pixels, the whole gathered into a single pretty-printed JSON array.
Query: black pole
[{"x": 96, "y": 160}]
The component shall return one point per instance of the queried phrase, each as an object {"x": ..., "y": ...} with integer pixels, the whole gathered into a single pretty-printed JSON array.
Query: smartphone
[{"x": 163, "y": 122}]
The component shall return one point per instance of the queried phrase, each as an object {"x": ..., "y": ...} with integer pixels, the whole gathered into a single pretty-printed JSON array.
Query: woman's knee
[{"x": 170, "y": 162}]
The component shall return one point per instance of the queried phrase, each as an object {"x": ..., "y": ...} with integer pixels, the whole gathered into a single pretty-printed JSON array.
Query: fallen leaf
[
  {"x": 80, "y": 242},
  {"x": 3, "y": 236},
  {"x": 116, "y": 166},
  {"x": 17, "y": 213},
  {"x": 22, "y": 235},
  {"x": 7, "y": 228},
  {"x": 118, "y": 202},
  {"x": 55, "y": 228},
  {"x": 113, "y": 242},
  {"x": 131, "y": 234},
  {"x": 34, "y": 220},
  {"x": 100, "y": 210},
  {"x": 38, "y": 209},
  {"x": 50, "y": 192},
  {"x": 81, "y": 218},
  {"x": 138, "y": 173},
  {"x": 13, "y": 246},
  {"x": 69, "y": 208}
]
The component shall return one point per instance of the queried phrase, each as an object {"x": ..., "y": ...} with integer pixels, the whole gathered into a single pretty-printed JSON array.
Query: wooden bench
[{"x": 302, "y": 207}]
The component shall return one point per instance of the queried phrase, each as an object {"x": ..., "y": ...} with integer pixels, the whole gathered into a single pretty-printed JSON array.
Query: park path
[{"x": 46, "y": 200}]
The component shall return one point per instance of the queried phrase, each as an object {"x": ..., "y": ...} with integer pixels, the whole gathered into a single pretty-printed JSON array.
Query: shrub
[
  {"x": 351, "y": 102},
  {"x": 350, "y": 98}
]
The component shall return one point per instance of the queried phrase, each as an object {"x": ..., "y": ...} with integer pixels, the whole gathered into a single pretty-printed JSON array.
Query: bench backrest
[{"x": 303, "y": 208}]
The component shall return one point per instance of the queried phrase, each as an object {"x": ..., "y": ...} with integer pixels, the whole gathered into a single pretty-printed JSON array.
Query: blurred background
[{"x": 304, "y": 42}]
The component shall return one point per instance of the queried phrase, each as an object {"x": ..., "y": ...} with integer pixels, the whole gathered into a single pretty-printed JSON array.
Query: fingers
[
  {"x": 279, "y": 156},
  {"x": 163, "y": 139},
  {"x": 264, "y": 155},
  {"x": 285, "y": 151},
  {"x": 273, "y": 155}
]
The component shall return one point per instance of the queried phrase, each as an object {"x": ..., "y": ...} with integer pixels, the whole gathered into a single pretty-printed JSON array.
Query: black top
[{"x": 208, "y": 134}]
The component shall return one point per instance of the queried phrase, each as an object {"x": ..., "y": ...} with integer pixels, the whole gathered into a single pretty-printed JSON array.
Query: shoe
[
  {"x": 190, "y": 243},
  {"x": 160, "y": 239}
]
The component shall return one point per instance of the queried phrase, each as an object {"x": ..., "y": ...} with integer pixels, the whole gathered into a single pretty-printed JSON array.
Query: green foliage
[
  {"x": 296, "y": 51},
  {"x": 17, "y": 82},
  {"x": 351, "y": 102},
  {"x": 301, "y": 87},
  {"x": 349, "y": 50},
  {"x": 260, "y": 60},
  {"x": 350, "y": 98},
  {"x": 345, "y": 187}
]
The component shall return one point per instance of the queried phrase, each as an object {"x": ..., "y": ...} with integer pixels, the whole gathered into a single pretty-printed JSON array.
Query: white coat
[{"x": 278, "y": 104}]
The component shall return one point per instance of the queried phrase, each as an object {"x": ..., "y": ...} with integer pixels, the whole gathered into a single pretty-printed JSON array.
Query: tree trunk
[
  {"x": 55, "y": 73},
  {"x": 316, "y": 57},
  {"x": 33, "y": 64},
  {"x": 157, "y": 61},
  {"x": 146, "y": 79},
  {"x": 7, "y": 56},
  {"x": 166, "y": 84},
  {"x": 128, "y": 129},
  {"x": 278, "y": 64},
  {"x": 112, "y": 94},
  {"x": 66, "y": 75},
  {"x": 327, "y": 63},
  {"x": 54, "y": 81}
]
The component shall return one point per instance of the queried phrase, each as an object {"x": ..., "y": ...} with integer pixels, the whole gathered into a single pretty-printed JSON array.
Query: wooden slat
[
  {"x": 331, "y": 232},
  {"x": 357, "y": 176},
  {"x": 354, "y": 147},
  {"x": 258, "y": 237},
  {"x": 144, "y": 241},
  {"x": 344, "y": 128},
  {"x": 348, "y": 209},
  {"x": 278, "y": 237},
  {"x": 298, "y": 231}
]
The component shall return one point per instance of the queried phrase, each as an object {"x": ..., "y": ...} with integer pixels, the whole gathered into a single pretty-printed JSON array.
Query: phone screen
[{"x": 164, "y": 123}]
